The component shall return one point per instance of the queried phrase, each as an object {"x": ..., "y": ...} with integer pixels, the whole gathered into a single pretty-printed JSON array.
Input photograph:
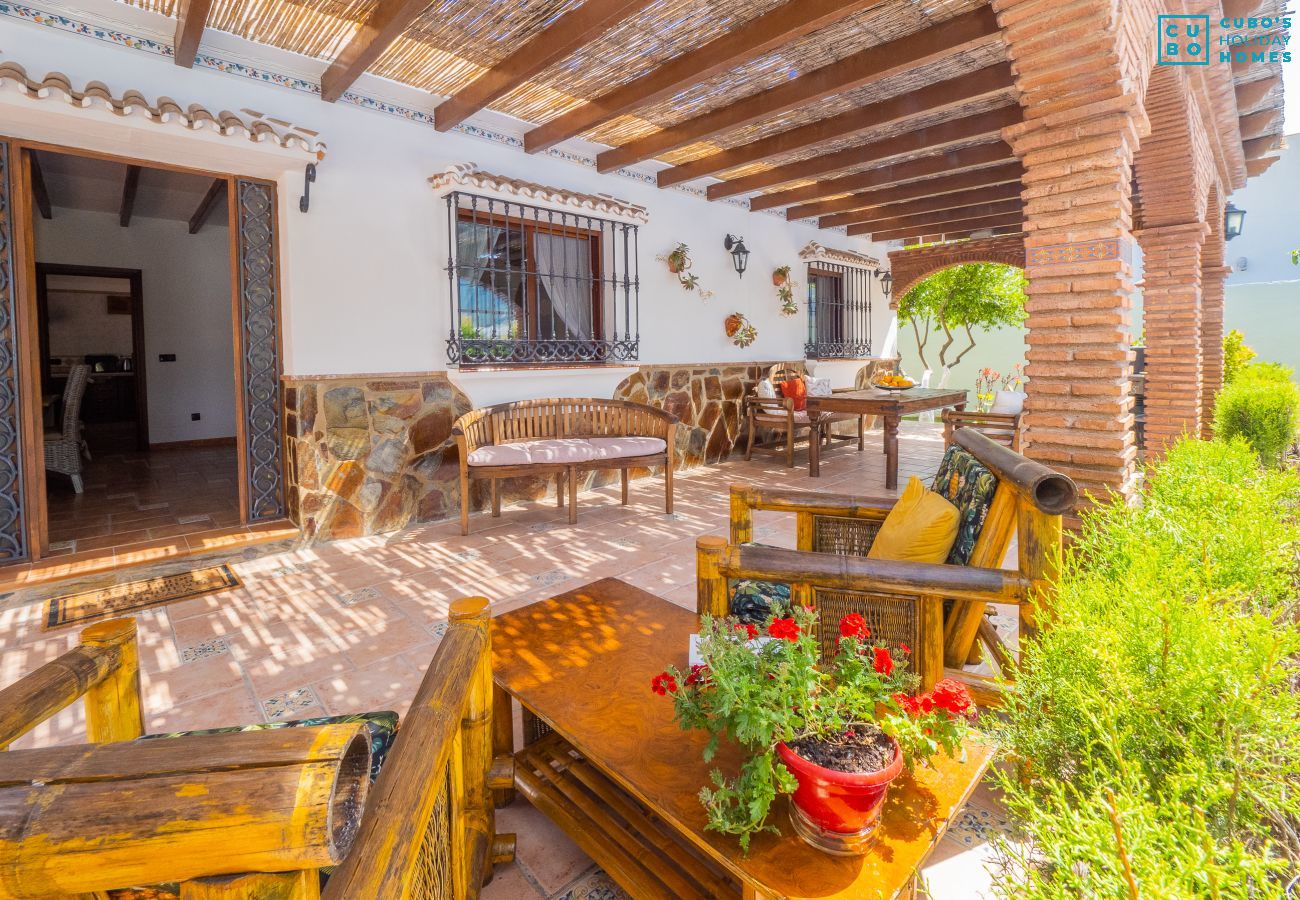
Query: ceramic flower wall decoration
[
  {"x": 740, "y": 330},
  {"x": 785, "y": 290},
  {"x": 678, "y": 261}
]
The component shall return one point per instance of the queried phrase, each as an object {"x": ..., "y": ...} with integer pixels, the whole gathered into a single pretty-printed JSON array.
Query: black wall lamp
[
  {"x": 1233, "y": 220},
  {"x": 886, "y": 282},
  {"x": 739, "y": 253}
]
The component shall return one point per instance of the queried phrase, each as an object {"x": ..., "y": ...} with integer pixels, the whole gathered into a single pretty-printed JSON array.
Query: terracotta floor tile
[
  {"x": 384, "y": 684},
  {"x": 510, "y": 883},
  {"x": 193, "y": 681},
  {"x": 544, "y": 851}
]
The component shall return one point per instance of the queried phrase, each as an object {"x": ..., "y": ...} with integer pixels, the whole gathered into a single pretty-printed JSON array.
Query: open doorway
[{"x": 137, "y": 360}]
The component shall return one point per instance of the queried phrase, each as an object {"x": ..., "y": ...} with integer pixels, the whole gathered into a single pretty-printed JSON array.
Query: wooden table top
[
  {"x": 878, "y": 400},
  {"x": 583, "y": 661}
]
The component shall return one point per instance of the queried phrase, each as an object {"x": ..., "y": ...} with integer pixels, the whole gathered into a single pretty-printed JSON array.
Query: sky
[{"x": 1291, "y": 84}]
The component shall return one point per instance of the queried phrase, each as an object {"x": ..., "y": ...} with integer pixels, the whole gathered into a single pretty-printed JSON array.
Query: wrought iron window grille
[
  {"x": 531, "y": 285},
  {"x": 839, "y": 311}
]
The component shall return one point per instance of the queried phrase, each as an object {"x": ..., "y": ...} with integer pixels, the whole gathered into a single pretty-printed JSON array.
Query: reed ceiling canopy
[{"x": 823, "y": 107}]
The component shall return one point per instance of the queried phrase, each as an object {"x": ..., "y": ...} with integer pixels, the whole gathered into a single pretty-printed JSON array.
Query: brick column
[{"x": 1171, "y": 274}]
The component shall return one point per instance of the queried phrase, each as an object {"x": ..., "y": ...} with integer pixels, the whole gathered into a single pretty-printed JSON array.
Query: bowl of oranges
[{"x": 894, "y": 382}]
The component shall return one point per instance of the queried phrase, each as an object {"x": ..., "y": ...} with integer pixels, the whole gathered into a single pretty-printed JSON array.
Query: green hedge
[
  {"x": 1262, "y": 406},
  {"x": 1154, "y": 725}
]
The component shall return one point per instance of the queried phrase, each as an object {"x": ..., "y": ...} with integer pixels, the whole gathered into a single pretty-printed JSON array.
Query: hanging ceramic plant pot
[
  {"x": 678, "y": 259},
  {"x": 738, "y": 328},
  {"x": 780, "y": 276}
]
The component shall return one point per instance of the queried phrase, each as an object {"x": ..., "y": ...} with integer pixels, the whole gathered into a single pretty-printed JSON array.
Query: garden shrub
[
  {"x": 1154, "y": 724},
  {"x": 1236, "y": 355},
  {"x": 1262, "y": 405}
]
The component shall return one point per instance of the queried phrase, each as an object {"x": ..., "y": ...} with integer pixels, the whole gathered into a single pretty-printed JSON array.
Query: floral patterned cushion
[
  {"x": 381, "y": 725},
  {"x": 967, "y": 484},
  {"x": 752, "y": 600}
]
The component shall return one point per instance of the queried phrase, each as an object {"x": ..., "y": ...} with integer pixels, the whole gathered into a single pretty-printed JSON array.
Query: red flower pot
[{"x": 838, "y": 811}]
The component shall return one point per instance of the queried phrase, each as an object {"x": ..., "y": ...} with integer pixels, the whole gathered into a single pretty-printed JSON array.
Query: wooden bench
[{"x": 562, "y": 437}]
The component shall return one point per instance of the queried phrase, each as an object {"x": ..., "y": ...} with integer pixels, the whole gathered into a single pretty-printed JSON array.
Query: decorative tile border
[
  {"x": 286, "y": 703},
  {"x": 292, "y": 82},
  {"x": 1080, "y": 251},
  {"x": 205, "y": 649},
  {"x": 361, "y": 595}
]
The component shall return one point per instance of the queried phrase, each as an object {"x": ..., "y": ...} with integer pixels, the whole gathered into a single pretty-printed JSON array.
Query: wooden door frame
[
  {"x": 139, "y": 357},
  {"x": 27, "y": 350}
]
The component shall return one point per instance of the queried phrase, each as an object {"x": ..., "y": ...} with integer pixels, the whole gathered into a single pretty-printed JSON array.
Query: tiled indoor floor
[
  {"x": 351, "y": 626},
  {"x": 132, "y": 496}
]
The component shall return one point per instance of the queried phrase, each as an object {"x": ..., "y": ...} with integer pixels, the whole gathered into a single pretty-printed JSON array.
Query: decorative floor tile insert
[
  {"x": 360, "y": 595},
  {"x": 593, "y": 884},
  {"x": 542, "y": 526},
  {"x": 551, "y": 578},
  {"x": 63, "y": 545},
  {"x": 977, "y": 825},
  {"x": 291, "y": 569},
  {"x": 465, "y": 556},
  {"x": 437, "y": 629},
  {"x": 204, "y": 649},
  {"x": 284, "y": 705}
]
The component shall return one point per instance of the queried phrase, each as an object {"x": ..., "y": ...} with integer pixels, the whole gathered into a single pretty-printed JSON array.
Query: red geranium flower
[
  {"x": 663, "y": 684},
  {"x": 854, "y": 626},
  {"x": 953, "y": 696},
  {"x": 909, "y": 705},
  {"x": 907, "y": 651},
  {"x": 788, "y": 629},
  {"x": 699, "y": 674},
  {"x": 883, "y": 663},
  {"x": 750, "y": 631}
]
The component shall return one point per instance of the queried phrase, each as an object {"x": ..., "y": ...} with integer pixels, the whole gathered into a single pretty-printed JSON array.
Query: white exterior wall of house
[{"x": 364, "y": 283}]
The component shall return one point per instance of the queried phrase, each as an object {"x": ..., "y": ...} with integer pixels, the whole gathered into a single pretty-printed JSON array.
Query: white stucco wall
[
  {"x": 365, "y": 287},
  {"x": 1271, "y": 229},
  {"x": 186, "y": 292}
]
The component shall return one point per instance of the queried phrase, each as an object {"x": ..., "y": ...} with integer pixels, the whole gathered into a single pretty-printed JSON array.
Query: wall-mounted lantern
[
  {"x": 739, "y": 253},
  {"x": 886, "y": 282},
  {"x": 1233, "y": 219}
]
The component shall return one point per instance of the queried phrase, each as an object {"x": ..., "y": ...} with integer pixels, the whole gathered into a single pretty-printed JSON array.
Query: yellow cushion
[{"x": 921, "y": 527}]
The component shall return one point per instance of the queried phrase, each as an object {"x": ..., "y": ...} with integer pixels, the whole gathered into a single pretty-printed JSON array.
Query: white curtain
[{"x": 564, "y": 268}]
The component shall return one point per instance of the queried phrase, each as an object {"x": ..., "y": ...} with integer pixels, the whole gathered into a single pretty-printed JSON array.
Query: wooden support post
[
  {"x": 670, "y": 461},
  {"x": 711, "y": 587},
  {"x": 1038, "y": 543},
  {"x": 572, "y": 476},
  {"x": 503, "y": 741},
  {"x": 113, "y": 709},
  {"x": 300, "y": 885},
  {"x": 928, "y": 657},
  {"x": 623, "y": 485},
  {"x": 804, "y": 531},
  {"x": 742, "y": 516}
]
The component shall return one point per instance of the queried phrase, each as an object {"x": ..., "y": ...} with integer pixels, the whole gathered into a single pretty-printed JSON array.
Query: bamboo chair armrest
[
  {"x": 858, "y": 573},
  {"x": 815, "y": 502}
]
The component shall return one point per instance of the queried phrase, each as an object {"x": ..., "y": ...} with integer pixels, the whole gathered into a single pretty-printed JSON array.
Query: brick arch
[{"x": 910, "y": 267}]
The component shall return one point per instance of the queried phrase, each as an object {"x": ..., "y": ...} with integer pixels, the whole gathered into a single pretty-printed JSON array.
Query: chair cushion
[
  {"x": 967, "y": 484},
  {"x": 801, "y": 417},
  {"x": 921, "y": 527},
  {"x": 766, "y": 389},
  {"x": 500, "y": 455},
  {"x": 818, "y": 387},
  {"x": 622, "y": 447},
  {"x": 796, "y": 390},
  {"x": 1008, "y": 402},
  {"x": 382, "y": 728},
  {"x": 559, "y": 450}
]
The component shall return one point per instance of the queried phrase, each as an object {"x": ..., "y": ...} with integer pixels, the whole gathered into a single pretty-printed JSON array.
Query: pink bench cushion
[
  {"x": 623, "y": 447},
  {"x": 560, "y": 450},
  {"x": 502, "y": 455}
]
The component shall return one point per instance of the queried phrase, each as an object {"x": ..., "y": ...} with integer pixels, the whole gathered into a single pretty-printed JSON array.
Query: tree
[{"x": 962, "y": 298}]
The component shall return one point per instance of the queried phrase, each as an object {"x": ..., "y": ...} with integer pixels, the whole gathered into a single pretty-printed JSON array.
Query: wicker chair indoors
[
  {"x": 63, "y": 449},
  {"x": 938, "y": 611}
]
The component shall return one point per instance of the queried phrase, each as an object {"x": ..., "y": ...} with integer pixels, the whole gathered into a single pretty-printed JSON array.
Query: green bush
[
  {"x": 1154, "y": 723},
  {"x": 1236, "y": 355},
  {"x": 1262, "y": 405}
]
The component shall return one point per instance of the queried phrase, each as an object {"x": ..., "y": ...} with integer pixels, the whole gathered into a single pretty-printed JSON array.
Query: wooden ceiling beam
[
  {"x": 954, "y": 200},
  {"x": 1007, "y": 173},
  {"x": 951, "y": 229},
  {"x": 129, "y": 186},
  {"x": 789, "y": 22},
  {"x": 912, "y": 240},
  {"x": 191, "y": 18},
  {"x": 979, "y": 85},
  {"x": 385, "y": 24},
  {"x": 567, "y": 34},
  {"x": 1252, "y": 93},
  {"x": 1257, "y": 124},
  {"x": 984, "y": 125},
  {"x": 40, "y": 192},
  {"x": 208, "y": 203},
  {"x": 927, "y": 220},
  {"x": 964, "y": 32},
  {"x": 948, "y": 162}
]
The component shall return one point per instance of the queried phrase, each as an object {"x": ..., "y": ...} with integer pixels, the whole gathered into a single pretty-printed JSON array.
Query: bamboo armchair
[
  {"x": 779, "y": 415},
  {"x": 903, "y": 602},
  {"x": 252, "y": 815},
  {"x": 1001, "y": 427}
]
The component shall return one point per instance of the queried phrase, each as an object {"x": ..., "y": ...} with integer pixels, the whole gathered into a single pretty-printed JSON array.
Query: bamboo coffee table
[
  {"x": 891, "y": 406},
  {"x": 607, "y": 763}
]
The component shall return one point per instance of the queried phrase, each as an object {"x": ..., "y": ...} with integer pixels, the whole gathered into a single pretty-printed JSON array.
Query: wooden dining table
[{"x": 890, "y": 406}]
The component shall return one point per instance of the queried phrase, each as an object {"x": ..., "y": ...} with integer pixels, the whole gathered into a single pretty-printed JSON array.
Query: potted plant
[
  {"x": 780, "y": 275},
  {"x": 833, "y": 736},
  {"x": 785, "y": 293},
  {"x": 739, "y": 329},
  {"x": 678, "y": 259}
]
